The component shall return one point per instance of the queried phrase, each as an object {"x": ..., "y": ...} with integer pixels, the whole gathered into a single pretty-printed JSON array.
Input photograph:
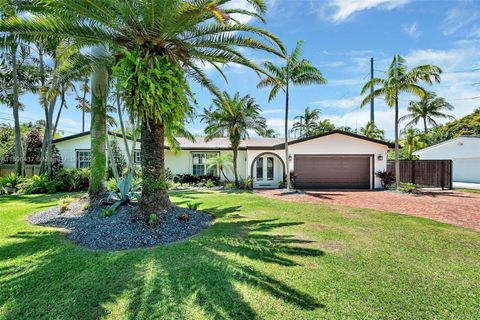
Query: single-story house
[
  {"x": 333, "y": 160},
  {"x": 464, "y": 151}
]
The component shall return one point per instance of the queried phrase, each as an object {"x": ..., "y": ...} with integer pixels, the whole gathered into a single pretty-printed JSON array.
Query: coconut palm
[
  {"x": 295, "y": 72},
  {"x": 372, "y": 131},
  {"x": 233, "y": 116},
  {"x": 400, "y": 80},
  {"x": 83, "y": 104},
  {"x": 176, "y": 36},
  {"x": 324, "y": 125},
  {"x": 268, "y": 133},
  {"x": 307, "y": 123},
  {"x": 413, "y": 140},
  {"x": 222, "y": 162},
  {"x": 427, "y": 109}
]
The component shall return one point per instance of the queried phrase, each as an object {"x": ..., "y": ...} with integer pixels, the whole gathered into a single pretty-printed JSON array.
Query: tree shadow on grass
[{"x": 43, "y": 275}]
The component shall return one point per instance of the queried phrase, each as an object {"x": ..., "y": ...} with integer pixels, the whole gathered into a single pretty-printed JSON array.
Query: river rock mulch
[{"x": 121, "y": 231}]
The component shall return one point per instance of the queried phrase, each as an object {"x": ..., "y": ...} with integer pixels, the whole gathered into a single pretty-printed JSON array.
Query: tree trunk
[
  {"x": 154, "y": 193},
  {"x": 98, "y": 126},
  {"x": 19, "y": 169},
  {"x": 43, "y": 152},
  {"x": 235, "y": 155},
  {"x": 397, "y": 161},
  {"x": 425, "y": 125},
  {"x": 287, "y": 162},
  {"x": 224, "y": 175},
  {"x": 83, "y": 107}
]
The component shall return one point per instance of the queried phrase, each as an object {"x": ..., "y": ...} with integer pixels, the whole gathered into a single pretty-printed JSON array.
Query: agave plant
[{"x": 128, "y": 189}]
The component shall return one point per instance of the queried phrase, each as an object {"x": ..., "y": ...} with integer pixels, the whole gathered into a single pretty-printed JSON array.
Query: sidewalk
[{"x": 466, "y": 185}]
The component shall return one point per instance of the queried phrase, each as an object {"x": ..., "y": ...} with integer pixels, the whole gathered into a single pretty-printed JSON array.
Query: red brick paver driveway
[{"x": 457, "y": 208}]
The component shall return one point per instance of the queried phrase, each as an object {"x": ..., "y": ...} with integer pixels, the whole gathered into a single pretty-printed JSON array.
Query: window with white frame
[
  {"x": 136, "y": 156},
  {"x": 199, "y": 164},
  {"x": 83, "y": 158}
]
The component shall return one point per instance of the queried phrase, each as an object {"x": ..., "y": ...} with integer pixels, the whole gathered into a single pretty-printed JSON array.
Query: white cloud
[
  {"x": 338, "y": 11},
  {"x": 344, "y": 103},
  {"x": 278, "y": 124},
  {"x": 460, "y": 16},
  {"x": 333, "y": 64},
  {"x": 412, "y": 30}
]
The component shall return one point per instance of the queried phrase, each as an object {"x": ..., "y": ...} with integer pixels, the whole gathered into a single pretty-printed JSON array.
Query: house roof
[
  {"x": 201, "y": 143},
  {"x": 444, "y": 143}
]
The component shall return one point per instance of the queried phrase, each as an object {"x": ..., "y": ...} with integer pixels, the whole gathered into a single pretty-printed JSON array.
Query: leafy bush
[
  {"x": 107, "y": 212},
  {"x": 10, "y": 183},
  {"x": 388, "y": 178},
  {"x": 36, "y": 184},
  {"x": 190, "y": 179},
  {"x": 192, "y": 206},
  {"x": 73, "y": 179},
  {"x": 153, "y": 220},
  {"x": 209, "y": 184},
  {"x": 410, "y": 188},
  {"x": 63, "y": 204},
  {"x": 245, "y": 184}
]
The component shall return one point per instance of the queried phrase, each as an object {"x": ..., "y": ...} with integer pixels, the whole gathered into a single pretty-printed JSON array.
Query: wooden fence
[
  {"x": 426, "y": 173},
  {"x": 30, "y": 169}
]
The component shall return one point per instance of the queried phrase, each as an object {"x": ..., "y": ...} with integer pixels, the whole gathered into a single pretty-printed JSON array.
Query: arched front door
[{"x": 267, "y": 171}]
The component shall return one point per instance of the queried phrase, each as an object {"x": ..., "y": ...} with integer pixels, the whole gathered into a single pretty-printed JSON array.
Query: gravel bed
[{"x": 89, "y": 229}]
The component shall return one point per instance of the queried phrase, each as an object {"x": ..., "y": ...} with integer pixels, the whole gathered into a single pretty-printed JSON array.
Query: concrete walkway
[{"x": 466, "y": 185}]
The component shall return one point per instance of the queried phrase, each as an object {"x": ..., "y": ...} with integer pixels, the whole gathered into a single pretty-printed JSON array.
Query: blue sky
[{"x": 340, "y": 37}]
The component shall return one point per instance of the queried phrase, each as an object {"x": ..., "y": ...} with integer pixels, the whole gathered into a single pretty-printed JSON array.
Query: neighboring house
[
  {"x": 464, "y": 151},
  {"x": 333, "y": 160}
]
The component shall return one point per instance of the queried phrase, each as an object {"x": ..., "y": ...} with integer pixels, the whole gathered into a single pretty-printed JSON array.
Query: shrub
[
  {"x": 153, "y": 220},
  {"x": 36, "y": 184},
  {"x": 10, "y": 183},
  {"x": 245, "y": 184},
  {"x": 86, "y": 206},
  {"x": 192, "y": 206},
  {"x": 230, "y": 185},
  {"x": 190, "y": 179},
  {"x": 63, "y": 207},
  {"x": 111, "y": 185},
  {"x": 209, "y": 184},
  {"x": 63, "y": 204},
  {"x": 73, "y": 179},
  {"x": 388, "y": 178},
  {"x": 409, "y": 188},
  {"x": 107, "y": 212}
]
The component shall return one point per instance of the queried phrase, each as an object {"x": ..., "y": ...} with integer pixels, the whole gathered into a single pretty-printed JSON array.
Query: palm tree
[
  {"x": 324, "y": 125},
  {"x": 372, "y": 131},
  {"x": 83, "y": 104},
  {"x": 233, "y": 116},
  {"x": 429, "y": 107},
  {"x": 307, "y": 123},
  {"x": 295, "y": 72},
  {"x": 222, "y": 162},
  {"x": 400, "y": 80},
  {"x": 176, "y": 36},
  {"x": 268, "y": 133},
  {"x": 413, "y": 140}
]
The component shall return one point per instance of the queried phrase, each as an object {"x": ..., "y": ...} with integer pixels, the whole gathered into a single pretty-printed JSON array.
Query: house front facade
[{"x": 334, "y": 160}]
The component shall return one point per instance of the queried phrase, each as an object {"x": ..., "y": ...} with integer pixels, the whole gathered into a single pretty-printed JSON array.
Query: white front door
[{"x": 264, "y": 173}]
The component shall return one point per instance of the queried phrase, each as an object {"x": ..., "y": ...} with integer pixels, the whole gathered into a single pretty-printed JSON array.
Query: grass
[
  {"x": 468, "y": 190},
  {"x": 263, "y": 259}
]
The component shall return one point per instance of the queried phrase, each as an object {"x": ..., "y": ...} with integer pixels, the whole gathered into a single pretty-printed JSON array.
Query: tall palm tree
[
  {"x": 307, "y": 123},
  {"x": 427, "y": 109},
  {"x": 295, "y": 72},
  {"x": 372, "y": 131},
  {"x": 413, "y": 140},
  {"x": 83, "y": 104},
  {"x": 400, "y": 80},
  {"x": 323, "y": 126},
  {"x": 268, "y": 133},
  {"x": 178, "y": 36},
  {"x": 233, "y": 116}
]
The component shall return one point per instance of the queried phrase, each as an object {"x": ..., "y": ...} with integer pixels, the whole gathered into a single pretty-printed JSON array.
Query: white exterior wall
[{"x": 464, "y": 153}]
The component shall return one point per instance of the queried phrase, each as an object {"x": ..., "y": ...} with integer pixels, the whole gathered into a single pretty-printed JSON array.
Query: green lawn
[
  {"x": 468, "y": 190},
  {"x": 262, "y": 259}
]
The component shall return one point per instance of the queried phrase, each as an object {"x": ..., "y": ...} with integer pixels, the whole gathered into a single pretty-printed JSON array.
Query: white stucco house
[
  {"x": 464, "y": 151},
  {"x": 333, "y": 160}
]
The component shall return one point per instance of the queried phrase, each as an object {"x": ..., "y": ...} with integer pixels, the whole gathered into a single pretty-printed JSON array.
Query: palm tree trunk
[
  {"x": 397, "y": 161},
  {"x": 98, "y": 127},
  {"x": 425, "y": 125},
  {"x": 224, "y": 175},
  {"x": 154, "y": 195},
  {"x": 83, "y": 108},
  {"x": 287, "y": 163},
  {"x": 16, "y": 118},
  {"x": 235, "y": 155},
  {"x": 43, "y": 152}
]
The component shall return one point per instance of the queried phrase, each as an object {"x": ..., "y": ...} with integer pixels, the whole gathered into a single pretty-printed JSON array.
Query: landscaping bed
[{"x": 123, "y": 230}]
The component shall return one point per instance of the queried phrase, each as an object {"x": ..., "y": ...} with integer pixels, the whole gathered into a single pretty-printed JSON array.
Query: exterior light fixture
[
  {"x": 380, "y": 157},
  {"x": 290, "y": 157}
]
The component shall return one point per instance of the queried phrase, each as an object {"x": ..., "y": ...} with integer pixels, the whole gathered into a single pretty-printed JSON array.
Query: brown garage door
[{"x": 332, "y": 172}]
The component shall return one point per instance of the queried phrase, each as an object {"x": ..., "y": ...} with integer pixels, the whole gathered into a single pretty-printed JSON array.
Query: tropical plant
[
  {"x": 427, "y": 109},
  {"x": 387, "y": 178},
  {"x": 295, "y": 72},
  {"x": 306, "y": 124},
  {"x": 372, "y": 131},
  {"x": 176, "y": 36},
  {"x": 82, "y": 102},
  {"x": 324, "y": 126},
  {"x": 400, "y": 80},
  {"x": 222, "y": 162},
  {"x": 413, "y": 140},
  {"x": 233, "y": 116},
  {"x": 268, "y": 133}
]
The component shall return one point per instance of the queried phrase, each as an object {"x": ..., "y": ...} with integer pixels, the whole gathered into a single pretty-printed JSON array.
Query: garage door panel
[{"x": 332, "y": 172}]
